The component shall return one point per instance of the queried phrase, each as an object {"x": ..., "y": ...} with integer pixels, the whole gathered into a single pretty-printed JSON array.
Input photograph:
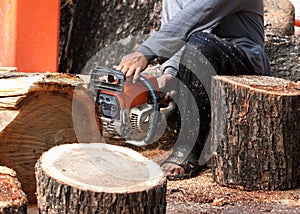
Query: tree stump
[
  {"x": 98, "y": 178},
  {"x": 12, "y": 197},
  {"x": 255, "y": 126},
  {"x": 37, "y": 112}
]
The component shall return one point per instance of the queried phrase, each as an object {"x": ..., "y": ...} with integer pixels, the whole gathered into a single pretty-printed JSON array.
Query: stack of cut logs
[{"x": 39, "y": 111}]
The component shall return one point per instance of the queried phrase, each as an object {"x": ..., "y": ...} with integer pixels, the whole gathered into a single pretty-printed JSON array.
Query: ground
[{"x": 202, "y": 195}]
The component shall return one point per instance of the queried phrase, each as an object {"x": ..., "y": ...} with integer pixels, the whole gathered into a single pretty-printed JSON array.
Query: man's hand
[
  {"x": 132, "y": 65},
  {"x": 166, "y": 83}
]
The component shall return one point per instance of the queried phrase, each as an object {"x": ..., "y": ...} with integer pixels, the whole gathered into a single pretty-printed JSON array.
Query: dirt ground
[{"x": 202, "y": 195}]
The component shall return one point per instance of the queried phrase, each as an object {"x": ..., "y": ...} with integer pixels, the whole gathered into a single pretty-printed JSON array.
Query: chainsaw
[{"x": 129, "y": 110}]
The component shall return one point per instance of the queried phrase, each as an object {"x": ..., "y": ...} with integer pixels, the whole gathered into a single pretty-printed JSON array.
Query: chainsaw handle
[
  {"x": 103, "y": 78},
  {"x": 169, "y": 109}
]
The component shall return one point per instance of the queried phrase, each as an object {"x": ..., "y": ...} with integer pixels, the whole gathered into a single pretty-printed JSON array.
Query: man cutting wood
[{"x": 228, "y": 34}]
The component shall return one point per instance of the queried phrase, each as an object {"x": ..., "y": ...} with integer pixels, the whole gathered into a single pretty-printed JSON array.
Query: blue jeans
[{"x": 224, "y": 56}]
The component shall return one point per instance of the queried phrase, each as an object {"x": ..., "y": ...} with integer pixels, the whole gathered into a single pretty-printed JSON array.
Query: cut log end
[
  {"x": 99, "y": 177},
  {"x": 12, "y": 197},
  {"x": 263, "y": 84}
]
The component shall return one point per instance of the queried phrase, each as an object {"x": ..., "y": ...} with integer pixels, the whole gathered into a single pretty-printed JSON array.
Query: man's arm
[
  {"x": 197, "y": 14},
  {"x": 171, "y": 66}
]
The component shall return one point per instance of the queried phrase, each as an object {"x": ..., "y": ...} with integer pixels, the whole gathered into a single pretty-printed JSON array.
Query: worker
[{"x": 228, "y": 34}]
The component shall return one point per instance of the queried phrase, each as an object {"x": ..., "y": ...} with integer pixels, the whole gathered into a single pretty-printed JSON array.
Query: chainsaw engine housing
[{"x": 126, "y": 108}]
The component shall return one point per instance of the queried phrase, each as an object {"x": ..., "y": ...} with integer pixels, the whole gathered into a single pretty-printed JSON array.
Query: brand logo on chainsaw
[{"x": 133, "y": 113}]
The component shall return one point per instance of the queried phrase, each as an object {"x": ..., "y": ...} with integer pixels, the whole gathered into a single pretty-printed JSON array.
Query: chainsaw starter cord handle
[{"x": 154, "y": 118}]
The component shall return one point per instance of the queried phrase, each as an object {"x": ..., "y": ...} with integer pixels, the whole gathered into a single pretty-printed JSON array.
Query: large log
[
  {"x": 98, "y": 178},
  {"x": 86, "y": 26},
  {"x": 255, "y": 126},
  {"x": 12, "y": 197},
  {"x": 37, "y": 112}
]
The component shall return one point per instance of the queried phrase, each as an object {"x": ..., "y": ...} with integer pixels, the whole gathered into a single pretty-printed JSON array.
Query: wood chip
[{"x": 7, "y": 171}]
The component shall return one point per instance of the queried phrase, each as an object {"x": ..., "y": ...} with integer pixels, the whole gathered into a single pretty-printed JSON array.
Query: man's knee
[{"x": 204, "y": 43}]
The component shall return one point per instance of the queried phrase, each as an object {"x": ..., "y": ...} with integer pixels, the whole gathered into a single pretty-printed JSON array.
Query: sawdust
[{"x": 202, "y": 195}]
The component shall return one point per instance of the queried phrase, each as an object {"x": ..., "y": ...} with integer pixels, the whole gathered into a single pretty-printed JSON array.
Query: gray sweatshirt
[{"x": 239, "y": 21}]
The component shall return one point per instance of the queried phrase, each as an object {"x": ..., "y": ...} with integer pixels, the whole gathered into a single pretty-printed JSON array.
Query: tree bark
[
  {"x": 255, "y": 126},
  {"x": 12, "y": 197},
  {"x": 98, "y": 178},
  {"x": 39, "y": 111},
  {"x": 87, "y": 26},
  {"x": 279, "y": 17}
]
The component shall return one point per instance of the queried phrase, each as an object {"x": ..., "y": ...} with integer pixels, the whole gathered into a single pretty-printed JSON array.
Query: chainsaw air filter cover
[{"x": 140, "y": 118}]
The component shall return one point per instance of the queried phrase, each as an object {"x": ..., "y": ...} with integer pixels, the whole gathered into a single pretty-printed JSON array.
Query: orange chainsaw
[{"x": 130, "y": 111}]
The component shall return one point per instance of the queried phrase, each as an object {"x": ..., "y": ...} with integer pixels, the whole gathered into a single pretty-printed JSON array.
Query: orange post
[
  {"x": 7, "y": 33},
  {"x": 29, "y": 34}
]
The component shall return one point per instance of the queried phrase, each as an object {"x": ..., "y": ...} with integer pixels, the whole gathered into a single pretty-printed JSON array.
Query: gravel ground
[{"x": 202, "y": 195}]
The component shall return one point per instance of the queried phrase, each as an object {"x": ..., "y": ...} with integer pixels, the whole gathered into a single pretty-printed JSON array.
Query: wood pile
[{"x": 37, "y": 112}]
